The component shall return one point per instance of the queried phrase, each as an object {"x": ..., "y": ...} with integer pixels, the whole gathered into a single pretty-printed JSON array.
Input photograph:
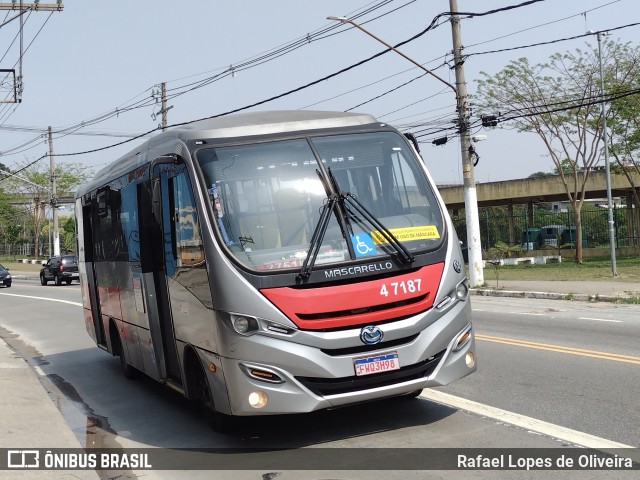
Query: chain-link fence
[{"x": 542, "y": 228}]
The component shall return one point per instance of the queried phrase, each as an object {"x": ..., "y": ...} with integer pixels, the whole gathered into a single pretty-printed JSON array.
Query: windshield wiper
[
  {"x": 350, "y": 199},
  {"x": 319, "y": 231},
  {"x": 404, "y": 254},
  {"x": 338, "y": 200}
]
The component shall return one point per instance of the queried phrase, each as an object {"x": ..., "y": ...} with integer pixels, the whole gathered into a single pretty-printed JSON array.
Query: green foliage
[
  {"x": 34, "y": 182},
  {"x": 554, "y": 101}
]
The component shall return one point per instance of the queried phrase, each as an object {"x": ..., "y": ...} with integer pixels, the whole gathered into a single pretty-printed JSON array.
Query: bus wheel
[
  {"x": 219, "y": 422},
  {"x": 128, "y": 370}
]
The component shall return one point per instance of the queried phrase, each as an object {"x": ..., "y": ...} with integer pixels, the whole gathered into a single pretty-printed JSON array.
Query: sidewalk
[
  {"x": 590, "y": 291},
  {"x": 29, "y": 418}
]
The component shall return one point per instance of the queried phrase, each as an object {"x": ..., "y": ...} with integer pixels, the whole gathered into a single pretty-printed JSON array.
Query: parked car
[
  {"x": 5, "y": 276},
  {"x": 60, "y": 268}
]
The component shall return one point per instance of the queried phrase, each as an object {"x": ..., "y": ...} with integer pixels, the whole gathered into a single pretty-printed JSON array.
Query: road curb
[{"x": 582, "y": 297}]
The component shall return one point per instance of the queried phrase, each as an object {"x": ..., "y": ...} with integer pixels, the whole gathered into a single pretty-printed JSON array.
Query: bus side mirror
[
  {"x": 156, "y": 206},
  {"x": 412, "y": 138}
]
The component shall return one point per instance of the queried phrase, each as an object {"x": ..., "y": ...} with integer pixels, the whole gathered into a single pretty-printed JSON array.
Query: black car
[
  {"x": 5, "y": 276},
  {"x": 61, "y": 268}
]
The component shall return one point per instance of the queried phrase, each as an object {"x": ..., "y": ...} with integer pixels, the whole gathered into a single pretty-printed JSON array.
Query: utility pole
[
  {"x": 163, "y": 93},
  {"x": 35, "y": 6},
  {"x": 22, "y": 8},
  {"x": 612, "y": 233},
  {"x": 54, "y": 200},
  {"x": 460, "y": 90},
  {"x": 163, "y": 105},
  {"x": 476, "y": 271}
]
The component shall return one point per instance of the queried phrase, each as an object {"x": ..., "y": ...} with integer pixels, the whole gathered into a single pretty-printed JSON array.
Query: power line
[
  {"x": 542, "y": 24},
  {"x": 143, "y": 103},
  {"x": 549, "y": 42}
]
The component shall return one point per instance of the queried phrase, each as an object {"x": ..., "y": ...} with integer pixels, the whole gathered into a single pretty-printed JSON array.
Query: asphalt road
[
  {"x": 586, "y": 393},
  {"x": 575, "y": 364}
]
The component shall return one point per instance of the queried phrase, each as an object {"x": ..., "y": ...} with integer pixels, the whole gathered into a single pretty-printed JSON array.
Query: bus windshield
[{"x": 268, "y": 199}]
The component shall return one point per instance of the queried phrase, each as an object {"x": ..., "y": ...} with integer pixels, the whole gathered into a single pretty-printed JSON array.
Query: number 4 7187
[{"x": 401, "y": 288}]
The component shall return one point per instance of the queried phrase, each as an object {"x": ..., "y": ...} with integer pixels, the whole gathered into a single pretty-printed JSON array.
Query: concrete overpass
[
  {"x": 536, "y": 190},
  {"x": 530, "y": 191}
]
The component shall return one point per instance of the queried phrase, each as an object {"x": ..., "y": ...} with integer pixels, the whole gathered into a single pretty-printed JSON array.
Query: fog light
[
  {"x": 470, "y": 359},
  {"x": 244, "y": 325},
  {"x": 462, "y": 291},
  {"x": 258, "y": 399},
  {"x": 241, "y": 324}
]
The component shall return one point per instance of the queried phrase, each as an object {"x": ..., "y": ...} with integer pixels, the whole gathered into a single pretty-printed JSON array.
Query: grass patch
[{"x": 628, "y": 269}]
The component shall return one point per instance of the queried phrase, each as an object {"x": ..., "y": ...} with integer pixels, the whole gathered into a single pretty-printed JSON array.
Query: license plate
[{"x": 378, "y": 364}]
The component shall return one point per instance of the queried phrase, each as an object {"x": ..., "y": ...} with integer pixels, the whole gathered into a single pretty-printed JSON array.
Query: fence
[
  {"x": 24, "y": 250},
  {"x": 542, "y": 228}
]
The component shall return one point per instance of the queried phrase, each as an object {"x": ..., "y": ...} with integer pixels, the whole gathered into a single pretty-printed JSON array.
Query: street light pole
[
  {"x": 607, "y": 170},
  {"x": 476, "y": 272}
]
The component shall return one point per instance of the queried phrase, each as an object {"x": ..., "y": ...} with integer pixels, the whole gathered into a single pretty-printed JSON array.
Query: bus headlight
[{"x": 244, "y": 325}]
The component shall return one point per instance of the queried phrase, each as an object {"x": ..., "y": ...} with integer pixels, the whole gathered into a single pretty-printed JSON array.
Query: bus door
[
  {"x": 157, "y": 264},
  {"x": 88, "y": 222}
]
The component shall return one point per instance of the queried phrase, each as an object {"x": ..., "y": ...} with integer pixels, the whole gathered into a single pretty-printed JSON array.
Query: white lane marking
[
  {"x": 556, "y": 431},
  {"x": 42, "y": 298},
  {"x": 600, "y": 319},
  {"x": 544, "y": 314}
]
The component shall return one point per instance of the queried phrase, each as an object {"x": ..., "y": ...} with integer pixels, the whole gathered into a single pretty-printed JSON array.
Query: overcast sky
[{"x": 95, "y": 57}]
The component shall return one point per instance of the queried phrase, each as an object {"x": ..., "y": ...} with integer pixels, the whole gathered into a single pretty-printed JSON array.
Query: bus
[{"x": 275, "y": 263}]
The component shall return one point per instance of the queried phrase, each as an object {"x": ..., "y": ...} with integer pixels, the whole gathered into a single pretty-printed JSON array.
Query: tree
[
  {"x": 621, "y": 81},
  {"x": 557, "y": 101},
  {"x": 68, "y": 236},
  {"x": 34, "y": 182}
]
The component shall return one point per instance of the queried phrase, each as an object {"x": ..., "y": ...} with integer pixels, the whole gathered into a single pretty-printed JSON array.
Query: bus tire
[
  {"x": 128, "y": 370},
  {"x": 219, "y": 422}
]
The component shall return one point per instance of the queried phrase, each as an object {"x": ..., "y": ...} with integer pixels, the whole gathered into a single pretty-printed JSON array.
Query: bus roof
[
  {"x": 232, "y": 126},
  {"x": 272, "y": 122}
]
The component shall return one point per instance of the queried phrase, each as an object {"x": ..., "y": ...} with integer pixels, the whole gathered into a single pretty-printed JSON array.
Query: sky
[{"x": 97, "y": 58}]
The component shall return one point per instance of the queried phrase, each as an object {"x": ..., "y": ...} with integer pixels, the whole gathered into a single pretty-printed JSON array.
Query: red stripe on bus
[{"x": 338, "y": 306}]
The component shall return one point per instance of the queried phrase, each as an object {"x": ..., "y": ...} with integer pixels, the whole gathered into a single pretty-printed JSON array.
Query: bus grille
[
  {"x": 367, "y": 309},
  {"x": 336, "y": 386},
  {"x": 336, "y": 352}
]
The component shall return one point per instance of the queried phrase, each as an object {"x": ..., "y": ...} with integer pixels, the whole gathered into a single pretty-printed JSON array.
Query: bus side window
[{"x": 188, "y": 241}]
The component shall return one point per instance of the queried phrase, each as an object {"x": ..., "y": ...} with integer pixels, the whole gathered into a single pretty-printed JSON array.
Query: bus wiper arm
[
  {"x": 319, "y": 231},
  {"x": 348, "y": 198},
  {"x": 397, "y": 245}
]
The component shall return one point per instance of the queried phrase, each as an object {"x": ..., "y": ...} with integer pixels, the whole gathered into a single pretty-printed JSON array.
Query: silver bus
[{"x": 275, "y": 263}]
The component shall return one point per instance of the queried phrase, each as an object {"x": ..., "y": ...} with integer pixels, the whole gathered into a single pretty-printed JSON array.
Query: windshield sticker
[
  {"x": 363, "y": 245},
  {"x": 405, "y": 234}
]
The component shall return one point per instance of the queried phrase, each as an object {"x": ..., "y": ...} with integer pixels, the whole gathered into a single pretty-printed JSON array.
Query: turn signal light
[{"x": 463, "y": 339}]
